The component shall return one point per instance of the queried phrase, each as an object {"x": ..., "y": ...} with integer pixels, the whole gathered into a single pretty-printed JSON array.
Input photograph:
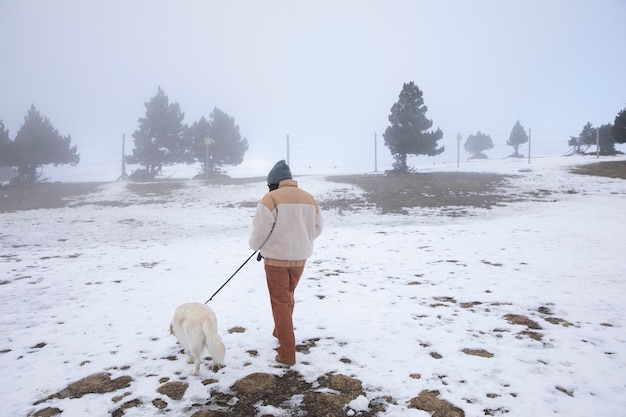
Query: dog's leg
[
  {"x": 196, "y": 370},
  {"x": 217, "y": 350},
  {"x": 195, "y": 352}
]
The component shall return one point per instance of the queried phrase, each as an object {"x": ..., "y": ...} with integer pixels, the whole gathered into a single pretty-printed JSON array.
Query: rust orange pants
[{"x": 282, "y": 283}]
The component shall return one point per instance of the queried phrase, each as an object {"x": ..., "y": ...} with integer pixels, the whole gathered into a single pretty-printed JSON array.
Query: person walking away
[{"x": 286, "y": 223}]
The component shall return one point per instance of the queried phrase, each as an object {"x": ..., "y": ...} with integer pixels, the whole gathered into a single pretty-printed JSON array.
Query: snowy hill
[{"x": 516, "y": 310}]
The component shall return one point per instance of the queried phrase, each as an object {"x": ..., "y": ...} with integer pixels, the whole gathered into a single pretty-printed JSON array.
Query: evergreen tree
[
  {"x": 584, "y": 140},
  {"x": 36, "y": 144},
  {"x": 4, "y": 144},
  {"x": 606, "y": 140},
  {"x": 478, "y": 143},
  {"x": 227, "y": 147},
  {"x": 160, "y": 139},
  {"x": 198, "y": 135},
  {"x": 408, "y": 133},
  {"x": 221, "y": 136},
  {"x": 619, "y": 127},
  {"x": 517, "y": 138}
]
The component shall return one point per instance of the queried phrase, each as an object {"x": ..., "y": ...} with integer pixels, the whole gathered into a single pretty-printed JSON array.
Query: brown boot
[{"x": 287, "y": 362}]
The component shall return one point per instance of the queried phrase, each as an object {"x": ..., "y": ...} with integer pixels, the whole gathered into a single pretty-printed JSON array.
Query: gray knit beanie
[{"x": 279, "y": 172}]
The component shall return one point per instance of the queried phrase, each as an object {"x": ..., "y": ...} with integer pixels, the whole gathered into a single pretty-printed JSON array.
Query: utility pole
[
  {"x": 375, "y": 154},
  {"x": 123, "y": 177},
  {"x": 207, "y": 142},
  {"x": 529, "y": 145},
  {"x": 458, "y": 148},
  {"x": 288, "y": 163}
]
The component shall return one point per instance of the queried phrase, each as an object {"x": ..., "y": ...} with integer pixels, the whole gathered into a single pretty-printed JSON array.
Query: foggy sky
[{"x": 326, "y": 73}]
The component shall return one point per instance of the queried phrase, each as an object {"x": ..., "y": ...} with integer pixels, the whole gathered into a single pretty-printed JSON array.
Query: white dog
[{"x": 195, "y": 327}]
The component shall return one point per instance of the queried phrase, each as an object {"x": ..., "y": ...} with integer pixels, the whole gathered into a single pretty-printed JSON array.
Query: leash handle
[{"x": 231, "y": 277}]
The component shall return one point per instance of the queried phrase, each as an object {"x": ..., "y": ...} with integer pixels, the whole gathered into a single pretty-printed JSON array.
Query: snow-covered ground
[{"x": 93, "y": 288}]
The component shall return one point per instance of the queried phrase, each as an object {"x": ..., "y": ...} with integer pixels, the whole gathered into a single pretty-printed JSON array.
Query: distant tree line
[
  {"x": 409, "y": 134},
  {"x": 605, "y": 137},
  {"x": 160, "y": 140},
  {"x": 163, "y": 139}
]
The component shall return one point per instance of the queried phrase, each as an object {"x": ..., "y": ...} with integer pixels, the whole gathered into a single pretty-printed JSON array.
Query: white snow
[{"x": 384, "y": 294}]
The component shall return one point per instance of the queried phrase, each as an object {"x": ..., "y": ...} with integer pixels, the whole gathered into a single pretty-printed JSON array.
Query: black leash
[
  {"x": 231, "y": 277},
  {"x": 245, "y": 262}
]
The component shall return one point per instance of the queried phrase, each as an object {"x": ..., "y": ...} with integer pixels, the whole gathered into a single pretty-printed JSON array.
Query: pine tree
[
  {"x": 606, "y": 140},
  {"x": 478, "y": 143},
  {"x": 159, "y": 140},
  {"x": 584, "y": 140},
  {"x": 36, "y": 144},
  {"x": 198, "y": 135},
  {"x": 517, "y": 138},
  {"x": 4, "y": 144},
  {"x": 619, "y": 127},
  {"x": 228, "y": 148},
  {"x": 222, "y": 136},
  {"x": 408, "y": 133}
]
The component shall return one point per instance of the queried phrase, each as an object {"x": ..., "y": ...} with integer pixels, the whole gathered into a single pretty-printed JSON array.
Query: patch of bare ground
[
  {"x": 329, "y": 395},
  {"x": 611, "y": 169},
  {"x": 44, "y": 195},
  {"x": 50, "y": 195},
  {"x": 390, "y": 193},
  {"x": 395, "y": 193}
]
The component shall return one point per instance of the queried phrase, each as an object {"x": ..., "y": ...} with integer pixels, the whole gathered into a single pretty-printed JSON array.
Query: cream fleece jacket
[{"x": 292, "y": 220}]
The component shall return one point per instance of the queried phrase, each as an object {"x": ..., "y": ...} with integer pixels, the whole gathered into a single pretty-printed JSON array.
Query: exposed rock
[
  {"x": 325, "y": 403},
  {"x": 130, "y": 404},
  {"x": 533, "y": 335},
  {"x": 556, "y": 320},
  {"x": 345, "y": 384},
  {"x": 477, "y": 352},
  {"x": 93, "y": 384},
  {"x": 255, "y": 383},
  {"x": 47, "y": 412},
  {"x": 518, "y": 319},
  {"x": 97, "y": 384},
  {"x": 174, "y": 390},
  {"x": 428, "y": 401},
  {"x": 159, "y": 403},
  {"x": 236, "y": 329},
  {"x": 565, "y": 390},
  {"x": 209, "y": 381},
  {"x": 119, "y": 398}
]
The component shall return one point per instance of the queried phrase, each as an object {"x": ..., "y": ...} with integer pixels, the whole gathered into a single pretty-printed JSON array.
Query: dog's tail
[{"x": 214, "y": 344}]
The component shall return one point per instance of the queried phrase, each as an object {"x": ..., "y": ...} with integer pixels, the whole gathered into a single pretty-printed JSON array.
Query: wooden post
[
  {"x": 123, "y": 177},
  {"x": 375, "y": 154},
  {"x": 529, "y": 145},
  {"x": 458, "y": 149},
  {"x": 207, "y": 143}
]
